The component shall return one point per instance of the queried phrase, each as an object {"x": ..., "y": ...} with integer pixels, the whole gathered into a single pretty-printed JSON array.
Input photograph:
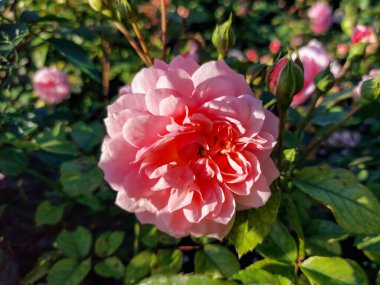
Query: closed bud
[
  {"x": 96, "y": 5},
  {"x": 285, "y": 79},
  {"x": 126, "y": 10},
  {"x": 223, "y": 38},
  {"x": 357, "y": 51},
  {"x": 370, "y": 91},
  {"x": 256, "y": 74},
  {"x": 324, "y": 80}
]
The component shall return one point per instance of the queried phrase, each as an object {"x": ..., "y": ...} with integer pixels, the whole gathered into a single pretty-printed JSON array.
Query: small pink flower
[
  {"x": 252, "y": 55},
  {"x": 321, "y": 16},
  {"x": 189, "y": 147},
  {"x": 297, "y": 40},
  {"x": 275, "y": 46},
  {"x": 51, "y": 85},
  {"x": 314, "y": 58},
  {"x": 363, "y": 34}
]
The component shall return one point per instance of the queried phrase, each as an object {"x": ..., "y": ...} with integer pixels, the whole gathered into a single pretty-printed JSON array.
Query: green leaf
[
  {"x": 12, "y": 161},
  {"x": 75, "y": 244},
  {"x": 149, "y": 235},
  {"x": 39, "y": 54},
  {"x": 276, "y": 268},
  {"x": 325, "y": 230},
  {"x": 333, "y": 271},
  {"x": 77, "y": 56},
  {"x": 184, "y": 280},
  {"x": 69, "y": 271},
  {"x": 48, "y": 214},
  {"x": 253, "y": 276},
  {"x": 168, "y": 262},
  {"x": 108, "y": 243},
  {"x": 355, "y": 208},
  {"x": 80, "y": 176},
  {"x": 41, "y": 269},
  {"x": 87, "y": 136},
  {"x": 217, "y": 261},
  {"x": 251, "y": 226},
  {"x": 139, "y": 267},
  {"x": 57, "y": 146},
  {"x": 279, "y": 245},
  {"x": 320, "y": 247},
  {"x": 370, "y": 245},
  {"x": 110, "y": 267}
]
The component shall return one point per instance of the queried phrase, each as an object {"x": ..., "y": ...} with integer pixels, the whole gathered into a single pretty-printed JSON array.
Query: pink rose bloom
[
  {"x": 342, "y": 49},
  {"x": 188, "y": 147},
  {"x": 183, "y": 12},
  {"x": 275, "y": 46},
  {"x": 51, "y": 85},
  {"x": 356, "y": 93},
  {"x": 363, "y": 34},
  {"x": 315, "y": 59},
  {"x": 126, "y": 89},
  {"x": 321, "y": 16}
]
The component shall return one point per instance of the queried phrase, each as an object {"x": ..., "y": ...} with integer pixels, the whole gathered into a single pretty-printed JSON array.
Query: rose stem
[
  {"x": 105, "y": 67},
  {"x": 163, "y": 28},
  {"x": 309, "y": 114},
  {"x": 282, "y": 116},
  {"x": 142, "y": 42},
  {"x": 131, "y": 41}
]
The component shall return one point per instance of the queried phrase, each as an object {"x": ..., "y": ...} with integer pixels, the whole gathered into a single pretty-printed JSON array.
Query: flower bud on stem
[{"x": 223, "y": 38}]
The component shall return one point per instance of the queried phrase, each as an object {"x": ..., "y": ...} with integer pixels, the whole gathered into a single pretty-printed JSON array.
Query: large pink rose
[
  {"x": 314, "y": 58},
  {"x": 188, "y": 147},
  {"x": 51, "y": 85},
  {"x": 321, "y": 16}
]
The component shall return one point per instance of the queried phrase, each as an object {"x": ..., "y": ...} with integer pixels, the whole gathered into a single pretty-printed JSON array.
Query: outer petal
[
  {"x": 146, "y": 79},
  {"x": 220, "y": 69},
  {"x": 185, "y": 63}
]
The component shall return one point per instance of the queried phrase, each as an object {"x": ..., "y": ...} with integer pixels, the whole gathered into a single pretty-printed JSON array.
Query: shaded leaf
[
  {"x": 108, "y": 243},
  {"x": 76, "y": 243},
  {"x": 184, "y": 280},
  {"x": 168, "y": 262},
  {"x": 110, "y": 267},
  {"x": 48, "y": 214},
  {"x": 69, "y": 271},
  {"x": 139, "y": 267},
  {"x": 353, "y": 205}
]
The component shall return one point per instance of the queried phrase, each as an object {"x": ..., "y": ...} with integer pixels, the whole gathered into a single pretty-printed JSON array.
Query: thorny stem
[
  {"x": 131, "y": 41},
  {"x": 309, "y": 114},
  {"x": 345, "y": 67},
  {"x": 142, "y": 42},
  {"x": 105, "y": 68},
  {"x": 280, "y": 145},
  {"x": 318, "y": 141},
  {"x": 163, "y": 28}
]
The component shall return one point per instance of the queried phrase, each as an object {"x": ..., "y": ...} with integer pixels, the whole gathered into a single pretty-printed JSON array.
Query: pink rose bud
[
  {"x": 342, "y": 49},
  {"x": 252, "y": 55},
  {"x": 51, "y": 85},
  {"x": 363, "y": 34},
  {"x": 189, "y": 147},
  {"x": 275, "y": 46},
  {"x": 285, "y": 79},
  {"x": 321, "y": 16},
  {"x": 183, "y": 12}
]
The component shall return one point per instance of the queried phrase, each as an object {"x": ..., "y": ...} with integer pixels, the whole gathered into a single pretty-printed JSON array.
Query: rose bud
[
  {"x": 363, "y": 34},
  {"x": 256, "y": 74},
  {"x": 370, "y": 91},
  {"x": 126, "y": 10},
  {"x": 324, "y": 80},
  {"x": 223, "y": 38},
  {"x": 96, "y": 5},
  {"x": 285, "y": 79},
  {"x": 275, "y": 46}
]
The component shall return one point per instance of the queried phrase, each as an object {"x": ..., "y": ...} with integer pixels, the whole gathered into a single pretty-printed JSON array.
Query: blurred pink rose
[
  {"x": 188, "y": 147},
  {"x": 236, "y": 53},
  {"x": 321, "y": 16},
  {"x": 363, "y": 34},
  {"x": 51, "y": 85},
  {"x": 342, "y": 49},
  {"x": 252, "y": 55},
  {"x": 356, "y": 93},
  {"x": 193, "y": 51},
  {"x": 314, "y": 58},
  {"x": 183, "y": 12},
  {"x": 275, "y": 46},
  {"x": 297, "y": 40}
]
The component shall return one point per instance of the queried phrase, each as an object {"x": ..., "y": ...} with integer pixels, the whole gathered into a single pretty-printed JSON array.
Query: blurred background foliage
[{"x": 59, "y": 224}]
